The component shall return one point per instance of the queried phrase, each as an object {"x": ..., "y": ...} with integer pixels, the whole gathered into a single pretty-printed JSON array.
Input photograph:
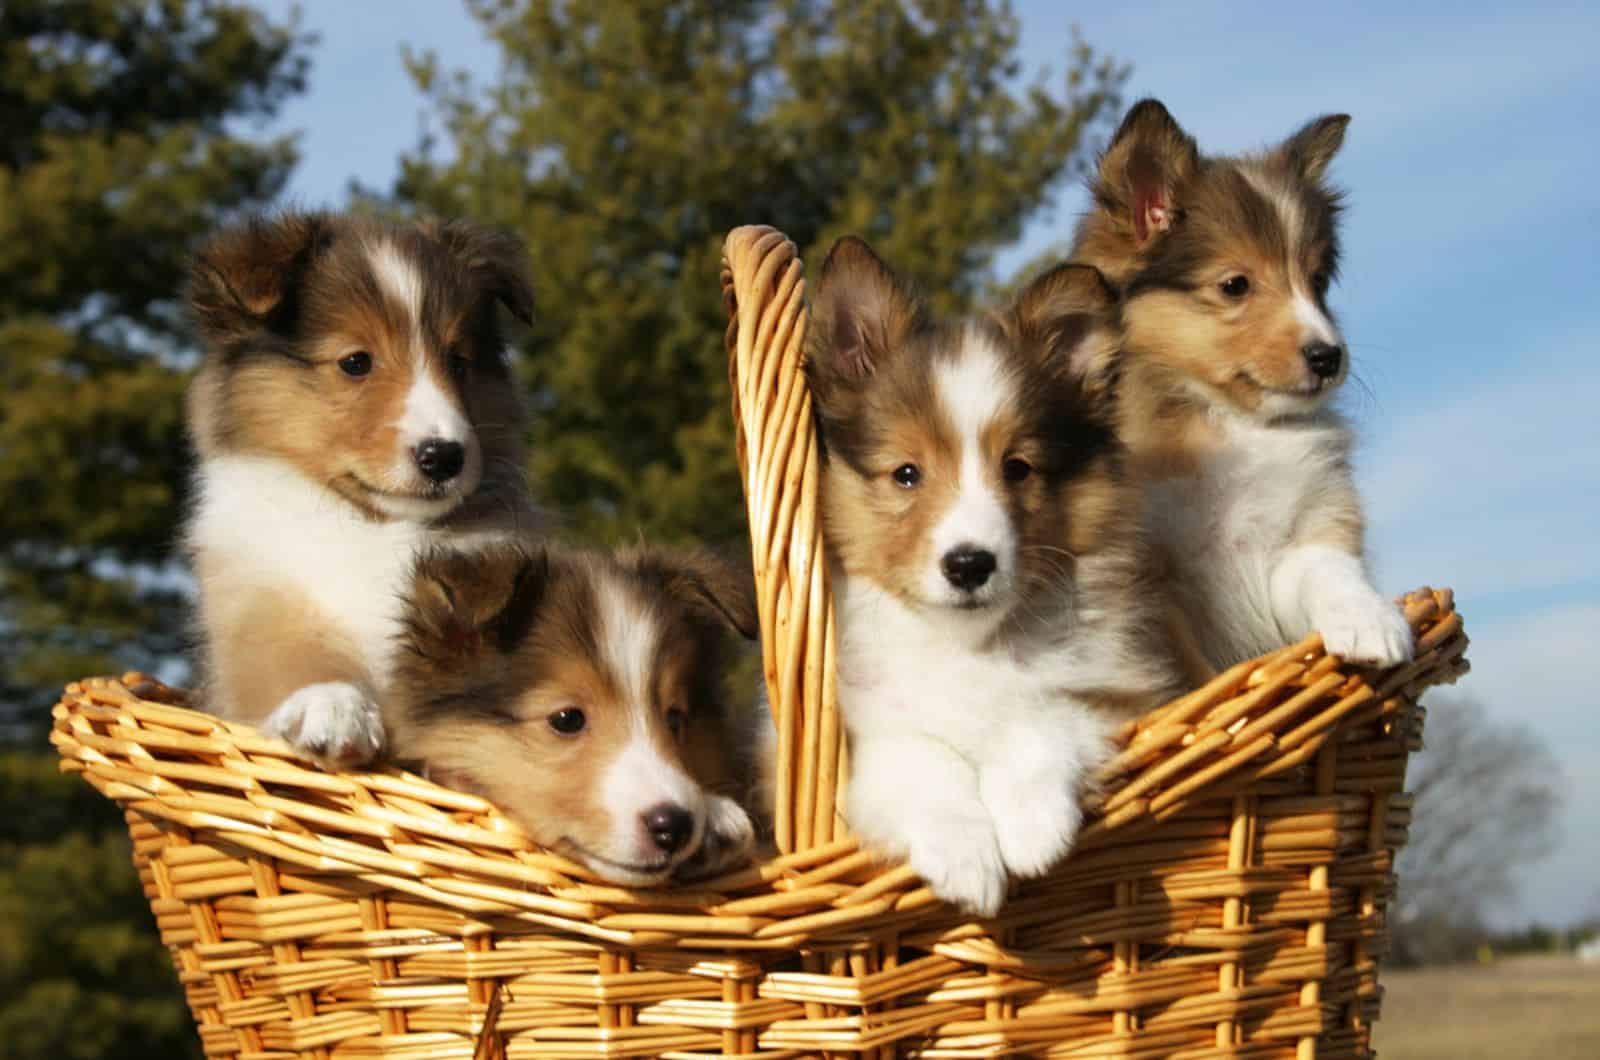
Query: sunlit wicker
[{"x": 1228, "y": 901}]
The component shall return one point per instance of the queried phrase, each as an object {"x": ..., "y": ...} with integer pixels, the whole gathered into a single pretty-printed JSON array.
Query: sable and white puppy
[
  {"x": 583, "y": 693},
  {"x": 987, "y": 568},
  {"x": 353, "y": 405},
  {"x": 1231, "y": 358}
]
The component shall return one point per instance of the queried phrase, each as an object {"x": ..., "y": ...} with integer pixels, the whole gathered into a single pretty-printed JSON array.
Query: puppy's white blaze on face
[
  {"x": 641, "y": 778},
  {"x": 401, "y": 280},
  {"x": 431, "y": 411},
  {"x": 1318, "y": 328},
  {"x": 629, "y": 637},
  {"x": 973, "y": 389},
  {"x": 1278, "y": 194}
]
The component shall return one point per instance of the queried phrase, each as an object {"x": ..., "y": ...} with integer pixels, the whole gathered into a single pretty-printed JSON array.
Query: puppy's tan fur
[
  {"x": 988, "y": 567},
  {"x": 308, "y": 505},
  {"x": 1224, "y": 265},
  {"x": 497, "y": 643}
]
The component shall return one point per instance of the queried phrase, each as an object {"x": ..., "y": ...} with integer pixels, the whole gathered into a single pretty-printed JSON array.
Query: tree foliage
[
  {"x": 118, "y": 147},
  {"x": 624, "y": 140},
  {"x": 83, "y": 975},
  {"x": 120, "y": 144}
]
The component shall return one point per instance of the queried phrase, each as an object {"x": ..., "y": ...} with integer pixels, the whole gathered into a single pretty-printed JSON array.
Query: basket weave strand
[{"x": 1228, "y": 900}]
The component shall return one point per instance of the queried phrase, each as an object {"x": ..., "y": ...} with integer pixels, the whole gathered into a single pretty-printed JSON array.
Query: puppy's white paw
[
  {"x": 962, "y": 865},
  {"x": 729, "y": 841},
  {"x": 1366, "y": 629},
  {"x": 1034, "y": 825},
  {"x": 334, "y": 722}
]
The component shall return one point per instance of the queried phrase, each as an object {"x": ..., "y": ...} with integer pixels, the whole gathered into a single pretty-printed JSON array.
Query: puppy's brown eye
[
  {"x": 356, "y": 364},
  {"x": 1015, "y": 469},
  {"x": 1236, "y": 286},
  {"x": 457, "y": 366},
  {"x": 1320, "y": 280},
  {"x": 568, "y": 722},
  {"x": 677, "y": 722},
  {"x": 907, "y": 476}
]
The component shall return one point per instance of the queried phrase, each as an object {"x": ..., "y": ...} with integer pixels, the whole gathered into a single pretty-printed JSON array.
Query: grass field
[{"x": 1544, "y": 1007}]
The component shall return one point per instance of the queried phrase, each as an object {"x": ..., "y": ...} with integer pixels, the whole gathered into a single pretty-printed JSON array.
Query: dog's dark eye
[
  {"x": 1015, "y": 469},
  {"x": 568, "y": 722},
  {"x": 356, "y": 364},
  {"x": 1320, "y": 280},
  {"x": 677, "y": 722},
  {"x": 457, "y": 366},
  {"x": 1236, "y": 286},
  {"x": 907, "y": 475}
]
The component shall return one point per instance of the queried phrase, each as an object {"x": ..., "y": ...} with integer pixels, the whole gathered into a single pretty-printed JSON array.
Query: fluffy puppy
[
  {"x": 583, "y": 693},
  {"x": 987, "y": 567},
  {"x": 353, "y": 404},
  {"x": 1231, "y": 360}
]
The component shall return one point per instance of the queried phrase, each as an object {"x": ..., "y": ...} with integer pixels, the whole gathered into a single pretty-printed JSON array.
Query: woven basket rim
[{"x": 146, "y": 754}]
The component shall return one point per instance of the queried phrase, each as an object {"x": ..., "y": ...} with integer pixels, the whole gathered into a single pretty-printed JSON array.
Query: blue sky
[{"x": 1470, "y": 294}]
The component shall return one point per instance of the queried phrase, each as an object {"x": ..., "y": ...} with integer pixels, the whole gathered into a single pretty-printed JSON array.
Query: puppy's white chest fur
[
  {"x": 906, "y": 672},
  {"x": 283, "y": 560},
  {"x": 260, "y": 524},
  {"x": 1226, "y": 531},
  {"x": 967, "y": 755}
]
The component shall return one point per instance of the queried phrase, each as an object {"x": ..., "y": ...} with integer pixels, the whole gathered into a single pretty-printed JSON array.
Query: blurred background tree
[
  {"x": 1486, "y": 795},
  {"x": 83, "y": 974},
  {"x": 121, "y": 140},
  {"x": 119, "y": 145},
  {"x": 624, "y": 140}
]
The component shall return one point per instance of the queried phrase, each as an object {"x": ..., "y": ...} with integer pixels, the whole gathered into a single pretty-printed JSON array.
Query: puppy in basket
[
  {"x": 994, "y": 617},
  {"x": 583, "y": 693},
  {"x": 1231, "y": 360},
  {"x": 354, "y": 404}
]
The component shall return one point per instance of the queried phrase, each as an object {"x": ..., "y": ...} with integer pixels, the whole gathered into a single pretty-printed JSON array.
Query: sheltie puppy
[
  {"x": 1231, "y": 358},
  {"x": 353, "y": 404},
  {"x": 992, "y": 620},
  {"x": 583, "y": 693}
]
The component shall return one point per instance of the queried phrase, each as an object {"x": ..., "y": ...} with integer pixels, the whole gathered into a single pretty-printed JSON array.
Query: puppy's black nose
[
  {"x": 967, "y": 568},
  {"x": 669, "y": 825},
  {"x": 1324, "y": 358},
  {"x": 440, "y": 460}
]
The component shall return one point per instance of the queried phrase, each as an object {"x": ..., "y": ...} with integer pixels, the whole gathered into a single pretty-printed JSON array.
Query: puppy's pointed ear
[
  {"x": 464, "y": 603},
  {"x": 1309, "y": 151},
  {"x": 496, "y": 259},
  {"x": 1143, "y": 171},
  {"x": 246, "y": 278},
  {"x": 860, "y": 313},
  {"x": 715, "y": 590},
  {"x": 1067, "y": 317}
]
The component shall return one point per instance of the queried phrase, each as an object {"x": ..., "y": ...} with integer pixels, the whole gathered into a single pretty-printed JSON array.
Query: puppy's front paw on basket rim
[{"x": 1228, "y": 893}]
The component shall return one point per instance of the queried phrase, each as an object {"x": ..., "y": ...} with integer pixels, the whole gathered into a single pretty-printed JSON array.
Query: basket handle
[{"x": 764, "y": 290}]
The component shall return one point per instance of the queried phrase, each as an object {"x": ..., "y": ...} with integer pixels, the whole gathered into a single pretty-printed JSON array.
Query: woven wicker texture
[{"x": 1228, "y": 901}]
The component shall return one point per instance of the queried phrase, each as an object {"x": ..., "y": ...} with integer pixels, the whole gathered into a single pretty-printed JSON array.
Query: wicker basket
[{"x": 1228, "y": 901}]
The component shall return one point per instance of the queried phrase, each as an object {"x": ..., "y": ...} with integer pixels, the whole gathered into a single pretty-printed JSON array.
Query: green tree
[
  {"x": 122, "y": 139},
  {"x": 82, "y": 971},
  {"x": 624, "y": 140},
  {"x": 119, "y": 144}
]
